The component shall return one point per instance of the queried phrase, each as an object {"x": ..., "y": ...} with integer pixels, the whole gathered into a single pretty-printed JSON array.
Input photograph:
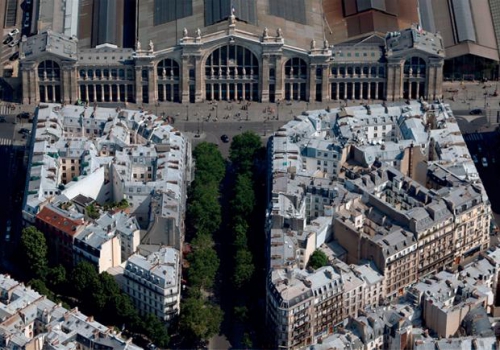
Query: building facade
[
  {"x": 153, "y": 283},
  {"x": 233, "y": 64},
  {"x": 390, "y": 184}
]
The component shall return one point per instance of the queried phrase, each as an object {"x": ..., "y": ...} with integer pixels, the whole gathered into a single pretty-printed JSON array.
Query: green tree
[
  {"x": 240, "y": 235},
  {"x": 204, "y": 209},
  {"x": 243, "y": 149},
  {"x": 318, "y": 259},
  {"x": 40, "y": 287},
  {"x": 210, "y": 165},
  {"x": 200, "y": 320},
  {"x": 241, "y": 313},
  {"x": 156, "y": 331},
  {"x": 85, "y": 280},
  {"x": 247, "y": 341},
  {"x": 56, "y": 277},
  {"x": 244, "y": 197},
  {"x": 34, "y": 248},
  {"x": 121, "y": 310},
  {"x": 244, "y": 268},
  {"x": 203, "y": 263},
  {"x": 91, "y": 210}
]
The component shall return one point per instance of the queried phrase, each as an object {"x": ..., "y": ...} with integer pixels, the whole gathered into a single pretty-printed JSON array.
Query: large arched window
[
  {"x": 232, "y": 73},
  {"x": 168, "y": 80},
  {"x": 49, "y": 70},
  {"x": 49, "y": 77},
  {"x": 415, "y": 66},
  {"x": 414, "y": 78},
  {"x": 296, "y": 79}
]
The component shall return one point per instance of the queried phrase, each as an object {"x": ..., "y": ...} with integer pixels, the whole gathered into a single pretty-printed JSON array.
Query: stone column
[
  {"x": 152, "y": 85},
  {"x": 118, "y": 97},
  {"x": 199, "y": 80},
  {"x": 435, "y": 73},
  {"x": 399, "y": 79},
  {"x": 264, "y": 79},
  {"x": 34, "y": 87},
  {"x": 65, "y": 85},
  {"x": 279, "y": 78},
  {"x": 74, "y": 84},
  {"x": 325, "y": 84},
  {"x": 391, "y": 83},
  {"x": 95, "y": 92},
  {"x": 311, "y": 83},
  {"x": 184, "y": 84},
  {"x": 138, "y": 84}
]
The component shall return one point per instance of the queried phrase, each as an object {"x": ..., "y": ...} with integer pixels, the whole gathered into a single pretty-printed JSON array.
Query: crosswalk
[
  {"x": 4, "y": 109},
  {"x": 473, "y": 137},
  {"x": 5, "y": 142}
]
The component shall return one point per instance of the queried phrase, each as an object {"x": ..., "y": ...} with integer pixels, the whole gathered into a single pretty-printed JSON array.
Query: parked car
[
  {"x": 474, "y": 158},
  {"x": 484, "y": 162},
  {"x": 476, "y": 111},
  {"x": 24, "y": 131},
  {"x": 2, "y": 119},
  {"x": 224, "y": 138},
  {"x": 8, "y": 40},
  {"x": 14, "y": 32},
  {"x": 14, "y": 56},
  {"x": 13, "y": 43}
]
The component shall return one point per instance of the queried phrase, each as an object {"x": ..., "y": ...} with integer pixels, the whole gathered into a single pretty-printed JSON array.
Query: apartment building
[
  {"x": 153, "y": 283},
  {"x": 391, "y": 185},
  {"x": 108, "y": 241},
  {"x": 60, "y": 228},
  {"x": 373, "y": 289},
  {"x": 100, "y": 153},
  {"x": 301, "y": 305},
  {"x": 31, "y": 321}
]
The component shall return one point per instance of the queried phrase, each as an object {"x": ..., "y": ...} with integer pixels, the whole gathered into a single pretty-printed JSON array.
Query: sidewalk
[{"x": 224, "y": 111}]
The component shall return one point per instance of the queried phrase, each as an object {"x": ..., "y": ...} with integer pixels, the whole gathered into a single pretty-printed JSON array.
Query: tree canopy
[
  {"x": 318, "y": 259},
  {"x": 244, "y": 198},
  {"x": 34, "y": 248},
  {"x": 243, "y": 150},
  {"x": 200, "y": 319},
  {"x": 203, "y": 263},
  {"x": 210, "y": 165}
]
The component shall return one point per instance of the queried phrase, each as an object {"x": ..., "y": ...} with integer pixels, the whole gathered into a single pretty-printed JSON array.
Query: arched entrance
[
  {"x": 296, "y": 79},
  {"x": 168, "y": 73},
  {"x": 415, "y": 71},
  {"x": 232, "y": 73},
  {"x": 49, "y": 81}
]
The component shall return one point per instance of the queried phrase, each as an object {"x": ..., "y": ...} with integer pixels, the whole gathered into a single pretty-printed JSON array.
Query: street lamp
[
  {"x": 216, "y": 111},
  {"x": 278, "y": 110},
  {"x": 198, "y": 133},
  {"x": 187, "y": 113}
]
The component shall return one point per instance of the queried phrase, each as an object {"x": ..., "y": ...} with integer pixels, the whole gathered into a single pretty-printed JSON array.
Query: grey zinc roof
[
  {"x": 49, "y": 41},
  {"x": 163, "y": 265}
]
